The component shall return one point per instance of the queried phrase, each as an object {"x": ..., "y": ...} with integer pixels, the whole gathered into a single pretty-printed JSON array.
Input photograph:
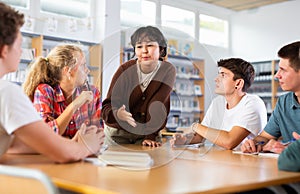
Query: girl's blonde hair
[{"x": 48, "y": 70}]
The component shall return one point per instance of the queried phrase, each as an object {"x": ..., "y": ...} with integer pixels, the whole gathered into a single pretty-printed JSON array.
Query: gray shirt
[{"x": 285, "y": 118}]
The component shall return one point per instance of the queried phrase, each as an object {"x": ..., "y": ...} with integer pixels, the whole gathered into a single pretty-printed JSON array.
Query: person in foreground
[
  {"x": 278, "y": 133},
  {"x": 58, "y": 88},
  {"x": 234, "y": 115},
  {"x": 19, "y": 119},
  {"x": 289, "y": 159},
  {"x": 138, "y": 101}
]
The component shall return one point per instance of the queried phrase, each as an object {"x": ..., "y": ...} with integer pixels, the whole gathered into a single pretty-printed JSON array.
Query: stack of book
[{"x": 126, "y": 159}]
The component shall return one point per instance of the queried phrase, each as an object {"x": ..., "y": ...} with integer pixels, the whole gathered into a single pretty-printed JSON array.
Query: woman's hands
[
  {"x": 148, "y": 142},
  {"x": 126, "y": 116},
  {"x": 84, "y": 97},
  {"x": 123, "y": 115},
  {"x": 91, "y": 137}
]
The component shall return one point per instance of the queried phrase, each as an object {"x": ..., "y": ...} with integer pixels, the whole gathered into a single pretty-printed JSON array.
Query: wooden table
[{"x": 205, "y": 170}]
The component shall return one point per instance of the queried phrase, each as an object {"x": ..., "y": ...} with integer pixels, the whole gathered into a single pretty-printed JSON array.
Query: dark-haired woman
[{"x": 138, "y": 101}]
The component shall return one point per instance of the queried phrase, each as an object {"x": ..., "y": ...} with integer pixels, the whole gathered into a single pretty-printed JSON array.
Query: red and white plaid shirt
[{"x": 50, "y": 103}]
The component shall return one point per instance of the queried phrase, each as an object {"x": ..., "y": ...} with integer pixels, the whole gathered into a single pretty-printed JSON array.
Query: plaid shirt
[{"x": 50, "y": 103}]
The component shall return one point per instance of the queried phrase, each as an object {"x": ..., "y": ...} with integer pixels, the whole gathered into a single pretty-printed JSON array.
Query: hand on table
[
  {"x": 148, "y": 142},
  {"x": 182, "y": 139},
  {"x": 275, "y": 146},
  {"x": 296, "y": 135},
  {"x": 178, "y": 139},
  {"x": 250, "y": 146},
  {"x": 272, "y": 145},
  {"x": 91, "y": 137}
]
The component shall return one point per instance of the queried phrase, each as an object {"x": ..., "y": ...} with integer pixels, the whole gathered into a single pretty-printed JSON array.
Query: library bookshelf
[
  {"x": 35, "y": 45},
  {"x": 265, "y": 84},
  {"x": 187, "y": 99}
]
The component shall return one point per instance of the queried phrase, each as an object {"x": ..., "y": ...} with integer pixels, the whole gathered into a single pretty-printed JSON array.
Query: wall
[
  {"x": 210, "y": 54},
  {"x": 258, "y": 34},
  {"x": 110, "y": 41},
  {"x": 255, "y": 34},
  {"x": 40, "y": 23},
  {"x": 105, "y": 18}
]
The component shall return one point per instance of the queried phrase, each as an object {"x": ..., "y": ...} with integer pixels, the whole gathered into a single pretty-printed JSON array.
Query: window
[
  {"x": 137, "y": 12},
  {"x": 73, "y": 8},
  {"x": 17, "y": 3},
  {"x": 213, "y": 31},
  {"x": 179, "y": 19}
]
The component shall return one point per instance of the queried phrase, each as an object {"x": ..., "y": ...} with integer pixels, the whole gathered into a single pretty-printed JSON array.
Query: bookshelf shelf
[
  {"x": 39, "y": 45},
  {"x": 265, "y": 85},
  {"x": 187, "y": 99},
  {"x": 27, "y": 61}
]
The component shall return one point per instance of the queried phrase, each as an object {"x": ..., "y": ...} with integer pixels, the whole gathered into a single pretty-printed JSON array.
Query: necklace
[{"x": 145, "y": 79}]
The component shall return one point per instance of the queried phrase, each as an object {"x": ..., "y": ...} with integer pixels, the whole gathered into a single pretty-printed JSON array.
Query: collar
[
  {"x": 295, "y": 104},
  {"x": 59, "y": 94}
]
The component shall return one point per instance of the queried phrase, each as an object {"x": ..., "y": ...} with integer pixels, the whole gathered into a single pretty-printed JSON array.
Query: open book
[
  {"x": 262, "y": 154},
  {"x": 126, "y": 159}
]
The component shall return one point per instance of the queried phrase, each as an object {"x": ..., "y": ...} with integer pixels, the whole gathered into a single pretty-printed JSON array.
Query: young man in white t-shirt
[
  {"x": 234, "y": 115},
  {"x": 18, "y": 118}
]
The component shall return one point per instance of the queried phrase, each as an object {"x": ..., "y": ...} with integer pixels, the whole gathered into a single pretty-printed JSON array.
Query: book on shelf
[
  {"x": 17, "y": 76},
  {"x": 198, "y": 90},
  {"x": 28, "y": 53}
]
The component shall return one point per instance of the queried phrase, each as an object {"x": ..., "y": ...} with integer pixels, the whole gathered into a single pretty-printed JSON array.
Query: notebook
[{"x": 260, "y": 154}]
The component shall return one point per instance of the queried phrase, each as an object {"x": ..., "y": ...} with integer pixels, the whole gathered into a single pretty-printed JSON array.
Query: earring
[
  {"x": 236, "y": 87},
  {"x": 69, "y": 72}
]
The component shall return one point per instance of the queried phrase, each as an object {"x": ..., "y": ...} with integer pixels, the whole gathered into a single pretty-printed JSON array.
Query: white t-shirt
[
  {"x": 250, "y": 113},
  {"x": 16, "y": 110}
]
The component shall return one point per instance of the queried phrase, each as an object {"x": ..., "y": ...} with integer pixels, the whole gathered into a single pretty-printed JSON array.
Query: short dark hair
[
  {"x": 292, "y": 53},
  {"x": 10, "y": 23},
  {"x": 241, "y": 70},
  {"x": 153, "y": 34}
]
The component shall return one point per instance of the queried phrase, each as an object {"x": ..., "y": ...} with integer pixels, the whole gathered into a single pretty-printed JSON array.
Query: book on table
[{"x": 126, "y": 159}]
